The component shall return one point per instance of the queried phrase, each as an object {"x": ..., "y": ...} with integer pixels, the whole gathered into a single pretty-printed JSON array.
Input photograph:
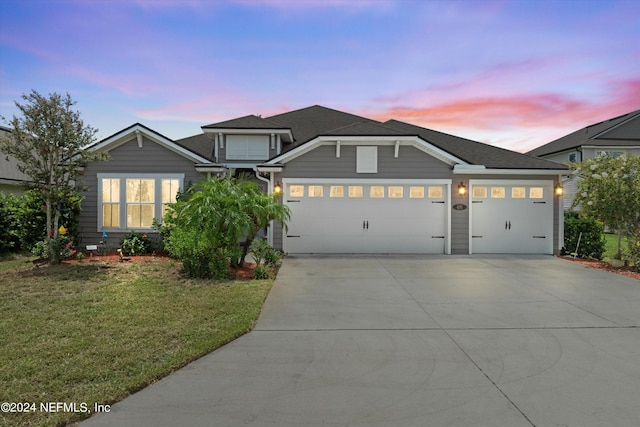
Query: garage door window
[
  {"x": 497, "y": 193},
  {"x": 336, "y": 191},
  {"x": 435, "y": 192},
  {"x": 395, "y": 192},
  {"x": 518, "y": 193},
  {"x": 416, "y": 192},
  {"x": 376, "y": 192},
  {"x": 355, "y": 191},
  {"x": 479, "y": 192},
  {"x": 315, "y": 191},
  {"x": 536, "y": 192},
  {"x": 296, "y": 191}
]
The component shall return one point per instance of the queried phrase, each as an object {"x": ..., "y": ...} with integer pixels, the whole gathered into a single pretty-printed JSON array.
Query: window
[
  {"x": 416, "y": 192},
  {"x": 170, "y": 188},
  {"x": 518, "y": 193},
  {"x": 536, "y": 192},
  {"x": 140, "y": 202},
  {"x": 247, "y": 147},
  {"x": 132, "y": 202},
  {"x": 435, "y": 192},
  {"x": 479, "y": 192},
  {"x": 497, "y": 193},
  {"x": 376, "y": 192},
  {"x": 296, "y": 191},
  {"x": 573, "y": 157},
  {"x": 355, "y": 191},
  {"x": 336, "y": 191},
  {"x": 110, "y": 202},
  {"x": 315, "y": 191},
  {"x": 366, "y": 159},
  {"x": 395, "y": 192}
]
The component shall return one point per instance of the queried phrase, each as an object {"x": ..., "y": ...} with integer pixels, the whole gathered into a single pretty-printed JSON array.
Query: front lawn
[
  {"x": 94, "y": 333},
  {"x": 611, "y": 245}
]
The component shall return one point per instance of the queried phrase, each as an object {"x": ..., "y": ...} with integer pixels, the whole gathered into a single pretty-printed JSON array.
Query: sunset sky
[{"x": 516, "y": 74}]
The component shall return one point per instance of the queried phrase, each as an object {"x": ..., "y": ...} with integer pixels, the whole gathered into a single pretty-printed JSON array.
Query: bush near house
[
  {"x": 212, "y": 225},
  {"x": 592, "y": 242}
]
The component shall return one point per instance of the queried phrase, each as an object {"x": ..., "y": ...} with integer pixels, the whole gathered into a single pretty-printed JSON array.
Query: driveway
[{"x": 418, "y": 341}]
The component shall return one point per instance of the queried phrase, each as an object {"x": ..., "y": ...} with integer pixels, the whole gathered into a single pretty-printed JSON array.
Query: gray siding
[
  {"x": 322, "y": 163},
  {"x": 128, "y": 158}
]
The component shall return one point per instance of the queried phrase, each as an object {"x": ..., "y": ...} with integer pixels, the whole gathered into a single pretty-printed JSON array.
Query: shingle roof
[
  {"x": 606, "y": 133},
  {"x": 200, "y": 144},
  {"x": 476, "y": 153},
  {"x": 246, "y": 122},
  {"x": 307, "y": 123}
]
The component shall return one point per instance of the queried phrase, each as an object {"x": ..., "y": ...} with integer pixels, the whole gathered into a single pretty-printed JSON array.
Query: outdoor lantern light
[
  {"x": 278, "y": 188},
  {"x": 462, "y": 190},
  {"x": 559, "y": 190}
]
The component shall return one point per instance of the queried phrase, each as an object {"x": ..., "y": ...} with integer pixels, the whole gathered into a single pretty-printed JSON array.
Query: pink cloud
[{"x": 518, "y": 122}]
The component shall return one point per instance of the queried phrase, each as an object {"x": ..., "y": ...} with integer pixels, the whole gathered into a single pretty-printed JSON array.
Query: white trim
[
  {"x": 612, "y": 147},
  {"x": 241, "y": 165},
  {"x": 481, "y": 170},
  {"x": 396, "y": 150},
  {"x": 338, "y": 149},
  {"x": 253, "y": 131},
  {"x": 372, "y": 180},
  {"x": 123, "y": 137},
  {"x": 414, "y": 141},
  {"x": 122, "y": 214},
  {"x": 261, "y": 168}
]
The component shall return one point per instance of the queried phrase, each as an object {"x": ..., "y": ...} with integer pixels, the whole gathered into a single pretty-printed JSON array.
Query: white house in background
[
  {"x": 617, "y": 136},
  {"x": 354, "y": 185},
  {"x": 11, "y": 179}
]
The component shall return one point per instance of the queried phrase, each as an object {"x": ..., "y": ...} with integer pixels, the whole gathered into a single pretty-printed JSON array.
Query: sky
[{"x": 512, "y": 73}]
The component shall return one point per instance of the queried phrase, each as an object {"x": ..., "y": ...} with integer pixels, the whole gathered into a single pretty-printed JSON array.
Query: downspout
[{"x": 269, "y": 191}]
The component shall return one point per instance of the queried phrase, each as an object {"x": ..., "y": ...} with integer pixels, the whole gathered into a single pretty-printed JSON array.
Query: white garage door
[
  {"x": 366, "y": 217},
  {"x": 513, "y": 217}
]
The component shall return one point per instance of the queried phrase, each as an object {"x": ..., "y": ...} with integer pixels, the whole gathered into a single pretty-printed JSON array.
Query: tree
[
  {"x": 205, "y": 227},
  {"x": 609, "y": 190},
  {"x": 48, "y": 140}
]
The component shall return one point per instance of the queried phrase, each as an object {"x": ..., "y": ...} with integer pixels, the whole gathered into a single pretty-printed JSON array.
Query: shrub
[
  {"x": 9, "y": 238},
  {"x": 634, "y": 250},
  {"x": 136, "y": 243},
  {"x": 264, "y": 253},
  {"x": 62, "y": 244},
  {"x": 260, "y": 272},
  {"x": 592, "y": 241}
]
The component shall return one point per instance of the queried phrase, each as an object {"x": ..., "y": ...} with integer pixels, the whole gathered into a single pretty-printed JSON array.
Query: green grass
[
  {"x": 611, "y": 246},
  {"x": 96, "y": 333}
]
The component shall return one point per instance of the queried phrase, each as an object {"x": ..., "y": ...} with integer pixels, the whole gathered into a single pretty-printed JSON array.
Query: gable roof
[
  {"x": 247, "y": 122},
  {"x": 137, "y": 129},
  {"x": 623, "y": 130}
]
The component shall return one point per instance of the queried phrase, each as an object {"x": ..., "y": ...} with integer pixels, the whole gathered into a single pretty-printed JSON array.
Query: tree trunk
[
  {"x": 247, "y": 244},
  {"x": 619, "y": 254}
]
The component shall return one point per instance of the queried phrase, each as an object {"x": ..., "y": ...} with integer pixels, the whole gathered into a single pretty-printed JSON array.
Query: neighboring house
[
  {"x": 617, "y": 136},
  {"x": 354, "y": 185},
  {"x": 11, "y": 179}
]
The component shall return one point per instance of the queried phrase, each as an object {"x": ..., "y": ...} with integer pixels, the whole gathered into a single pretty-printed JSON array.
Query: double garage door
[
  {"x": 400, "y": 216},
  {"x": 367, "y": 217}
]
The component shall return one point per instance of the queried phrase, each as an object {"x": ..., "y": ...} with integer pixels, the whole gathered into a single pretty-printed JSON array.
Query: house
[
  {"x": 615, "y": 137},
  {"x": 354, "y": 185},
  {"x": 11, "y": 179}
]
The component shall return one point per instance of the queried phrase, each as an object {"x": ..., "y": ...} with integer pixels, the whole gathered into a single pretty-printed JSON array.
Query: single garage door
[
  {"x": 511, "y": 217},
  {"x": 366, "y": 217}
]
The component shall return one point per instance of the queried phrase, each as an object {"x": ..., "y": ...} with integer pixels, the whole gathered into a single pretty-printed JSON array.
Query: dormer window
[{"x": 247, "y": 147}]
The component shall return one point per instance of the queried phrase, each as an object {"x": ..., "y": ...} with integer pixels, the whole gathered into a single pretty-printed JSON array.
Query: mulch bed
[
  {"x": 244, "y": 273},
  {"x": 603, "y": 265}
]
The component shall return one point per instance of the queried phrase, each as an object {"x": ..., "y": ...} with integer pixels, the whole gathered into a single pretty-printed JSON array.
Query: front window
[{"x": 133, "y": 202}]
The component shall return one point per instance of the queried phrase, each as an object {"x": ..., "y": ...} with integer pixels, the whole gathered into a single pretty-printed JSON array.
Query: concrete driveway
[{"x": 418, "y": 341}]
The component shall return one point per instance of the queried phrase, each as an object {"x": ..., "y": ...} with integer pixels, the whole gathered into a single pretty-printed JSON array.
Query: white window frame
[
  {"x": 247, "y": 147},
  {"x": 122, "y": 215}
]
